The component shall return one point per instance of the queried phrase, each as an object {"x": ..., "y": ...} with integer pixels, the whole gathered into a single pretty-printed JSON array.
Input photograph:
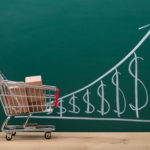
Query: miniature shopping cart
[{"x": 21, "y": 99}]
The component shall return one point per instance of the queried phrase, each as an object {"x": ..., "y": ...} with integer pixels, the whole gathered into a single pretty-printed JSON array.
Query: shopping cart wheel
[
  {"x": 8, "y": 137},
  {"x": 47, "y": 135},
  {"x": 14, "y": 133}
]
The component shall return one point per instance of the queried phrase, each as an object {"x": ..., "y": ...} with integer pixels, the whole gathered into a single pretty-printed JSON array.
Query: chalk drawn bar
[{"x": 87, "y": 118}]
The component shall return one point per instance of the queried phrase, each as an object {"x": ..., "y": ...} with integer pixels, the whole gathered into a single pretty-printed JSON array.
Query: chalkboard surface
[{"x": 95, "y": 51}]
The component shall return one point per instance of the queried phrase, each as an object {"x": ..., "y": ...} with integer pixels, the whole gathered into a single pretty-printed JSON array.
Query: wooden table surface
[{"x": 77, "y": 141}]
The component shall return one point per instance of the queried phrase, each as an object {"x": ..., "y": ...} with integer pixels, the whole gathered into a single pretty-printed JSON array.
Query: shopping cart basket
[{"x": 20, "y": 99}]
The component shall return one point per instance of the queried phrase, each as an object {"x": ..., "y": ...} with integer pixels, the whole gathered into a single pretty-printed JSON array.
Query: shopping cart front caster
[
  {"x": 47, "y": 135},
  {"x": 8, "y": 137},
  {"x": 14, "y": 133}
]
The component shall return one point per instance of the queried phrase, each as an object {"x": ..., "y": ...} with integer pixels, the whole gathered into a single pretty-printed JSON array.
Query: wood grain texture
[{"x": 77, "y": 141}]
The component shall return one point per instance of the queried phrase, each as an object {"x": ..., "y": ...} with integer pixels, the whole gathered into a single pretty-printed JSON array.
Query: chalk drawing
[
  {"x": 148, "y": 25},
  {"x": 87, "y": 118},
  {"x": 75, "y": 108},
  {"x": 62, "y": 109},
  {"x": 89, "y": 107},
  {"x": 136, "y": 108},
  {"x": 118, "y": 91},
  {"x": 103, "y": 100},
  {"x": 113, "y": 68},
  {"x": 104, "y": 108}
]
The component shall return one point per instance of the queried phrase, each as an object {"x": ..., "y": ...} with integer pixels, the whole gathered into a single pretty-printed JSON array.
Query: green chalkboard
[{"x": 95, "y": 51}]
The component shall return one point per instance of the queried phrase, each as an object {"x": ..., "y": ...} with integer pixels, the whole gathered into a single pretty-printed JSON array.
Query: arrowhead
[{"x": 148, "y": 25}]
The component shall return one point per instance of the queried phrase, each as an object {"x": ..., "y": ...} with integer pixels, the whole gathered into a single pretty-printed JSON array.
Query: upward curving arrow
[
  {"x": 116, "y": 66},
  {"x": 143, "y": 27}
]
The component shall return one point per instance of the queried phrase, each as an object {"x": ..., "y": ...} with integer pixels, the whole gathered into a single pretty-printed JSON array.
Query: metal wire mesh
[{"x": 19, "y": 98}]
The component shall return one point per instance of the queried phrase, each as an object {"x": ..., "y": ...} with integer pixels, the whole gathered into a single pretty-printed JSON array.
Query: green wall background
[{"x": 71, "y": 43}]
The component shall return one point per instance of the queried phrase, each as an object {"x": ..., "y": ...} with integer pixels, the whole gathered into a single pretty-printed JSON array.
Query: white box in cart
[{"x": 35, "y": 95}]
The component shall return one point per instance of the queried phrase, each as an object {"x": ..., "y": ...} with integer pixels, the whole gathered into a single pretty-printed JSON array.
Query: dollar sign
[
  {"x": 136, "y": 108},
  {"x": 103, "y": 100},
  {"x": 86, "y": 99},
  {"x": 118, "y": 91},
  {"x": 61, "y": 108},
  {"x": 75, "y": 108},
  {"x": 48, "y": 109}
]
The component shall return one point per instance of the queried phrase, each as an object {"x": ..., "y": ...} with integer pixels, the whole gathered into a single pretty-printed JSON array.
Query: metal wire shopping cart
[{"x": 20, "y": 99}]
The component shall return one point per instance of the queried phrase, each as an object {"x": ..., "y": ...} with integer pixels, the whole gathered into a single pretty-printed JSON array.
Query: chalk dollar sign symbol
[
  {"x": 61, "y": 108},
  {"x": 86, "y": 99},
  {"x": 75, "y": 108},
  {"x": 103, "y": 100},
  {"x": 136, "y": 108},
  {"x": 118, "y": 91}
]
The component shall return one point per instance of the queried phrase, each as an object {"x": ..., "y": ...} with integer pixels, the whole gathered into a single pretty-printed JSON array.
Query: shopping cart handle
[{"x": 56, "y": 98}]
